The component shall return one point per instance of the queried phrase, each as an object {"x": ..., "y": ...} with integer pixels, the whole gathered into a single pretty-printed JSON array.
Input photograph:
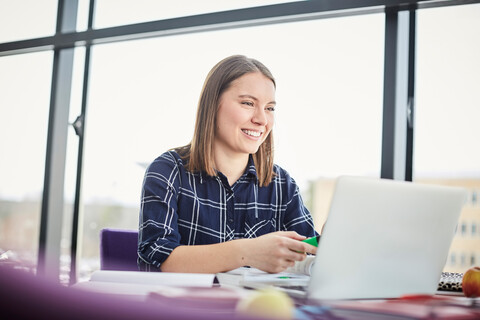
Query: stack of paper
[
  {"x": 252, "y": 277},
  {"x": 140, "y": 284}
]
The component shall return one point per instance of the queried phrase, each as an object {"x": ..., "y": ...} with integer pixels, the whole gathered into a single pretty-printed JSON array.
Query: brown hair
[{"x": 199, "y": 153}]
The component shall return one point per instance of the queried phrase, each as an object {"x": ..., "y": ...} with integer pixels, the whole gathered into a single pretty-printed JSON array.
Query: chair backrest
[{"x": 118, "y": 249}]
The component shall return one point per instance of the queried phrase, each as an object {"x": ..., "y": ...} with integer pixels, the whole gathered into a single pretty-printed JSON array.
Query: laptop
[{"x": 383, "y": 239}]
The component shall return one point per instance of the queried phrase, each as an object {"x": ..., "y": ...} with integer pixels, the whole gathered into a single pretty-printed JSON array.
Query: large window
[
  {"x": 144, "y": 93},
  {"x": 23, "y": 134},
  {"x": 447, "y": 113},
  {"x": 142, "y": 97},
  {"x": 26, "y": 19},
  {"x": 119, "y": 12}
]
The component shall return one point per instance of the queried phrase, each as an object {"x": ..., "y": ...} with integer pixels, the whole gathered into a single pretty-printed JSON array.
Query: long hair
[{"x": 198, "y": 154}]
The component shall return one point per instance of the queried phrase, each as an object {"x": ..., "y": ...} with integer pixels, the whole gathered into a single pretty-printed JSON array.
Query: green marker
[{"x": 313, "y": 241}]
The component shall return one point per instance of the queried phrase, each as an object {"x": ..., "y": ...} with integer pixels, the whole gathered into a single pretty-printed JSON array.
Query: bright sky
[{"x": 143, "y": 96}]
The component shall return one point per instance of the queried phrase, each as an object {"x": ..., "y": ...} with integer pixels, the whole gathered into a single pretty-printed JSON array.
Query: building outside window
[{"x": 446, "y": 76}]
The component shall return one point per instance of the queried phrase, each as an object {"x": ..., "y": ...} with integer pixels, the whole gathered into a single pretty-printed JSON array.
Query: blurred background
[{"x": 142, "y": 97}]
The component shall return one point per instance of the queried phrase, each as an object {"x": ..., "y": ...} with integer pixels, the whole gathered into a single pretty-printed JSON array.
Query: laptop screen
[{"x": 384, "y": 239}]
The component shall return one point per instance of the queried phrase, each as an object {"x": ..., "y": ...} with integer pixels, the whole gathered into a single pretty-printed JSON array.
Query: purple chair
[{"x": 118, "y": 249}]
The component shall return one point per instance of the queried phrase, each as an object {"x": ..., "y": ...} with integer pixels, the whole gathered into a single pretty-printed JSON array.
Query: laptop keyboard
[
  {"x": 450, "y": 281},
  {"x": 287, "y": 287}
]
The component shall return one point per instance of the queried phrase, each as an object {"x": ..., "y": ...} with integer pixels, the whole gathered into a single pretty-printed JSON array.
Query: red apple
[{"x": 471, "y": 282}]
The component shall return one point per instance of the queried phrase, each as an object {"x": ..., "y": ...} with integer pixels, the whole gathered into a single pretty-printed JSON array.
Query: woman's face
[{"x": 245, "y": 115}]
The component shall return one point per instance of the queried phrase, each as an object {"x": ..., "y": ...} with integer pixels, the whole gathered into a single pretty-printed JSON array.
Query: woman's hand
[{"x": 275, "y": 252}]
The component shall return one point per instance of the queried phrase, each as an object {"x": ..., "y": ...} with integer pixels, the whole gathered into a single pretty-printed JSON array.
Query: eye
[
  {"x": 248, "y": 103},
  {"x": 271, "y": 109}
]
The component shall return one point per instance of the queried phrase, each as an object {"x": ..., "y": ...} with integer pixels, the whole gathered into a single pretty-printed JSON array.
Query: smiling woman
[
  {"x": 220, "y": 201},
  {"x": 152, "y": 94},
  {"x": 225, "y": 94},
  {"x": 243, "y": 122}
]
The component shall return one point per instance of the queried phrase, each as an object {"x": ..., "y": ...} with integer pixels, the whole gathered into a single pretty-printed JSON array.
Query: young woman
[{"x": 220, "y": 202}]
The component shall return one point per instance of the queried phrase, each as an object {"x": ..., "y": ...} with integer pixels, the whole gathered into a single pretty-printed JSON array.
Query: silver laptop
[{"x": 383, "y": 239}]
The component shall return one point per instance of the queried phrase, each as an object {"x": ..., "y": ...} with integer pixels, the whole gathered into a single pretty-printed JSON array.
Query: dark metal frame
[
  {"x": 280, "y": 13},
  {"x": 411, "y": 96},
  {"x": 66, "y": 38},
  {"x": 398, "y": 98},
  {"x": 81, "y": 137}
]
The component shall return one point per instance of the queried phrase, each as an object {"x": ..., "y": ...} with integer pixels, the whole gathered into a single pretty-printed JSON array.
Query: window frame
[{"x": 398, "y": 84}]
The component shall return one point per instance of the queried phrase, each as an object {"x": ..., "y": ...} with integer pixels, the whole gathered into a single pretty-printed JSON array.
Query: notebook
[{"x": 384, "y": 239}]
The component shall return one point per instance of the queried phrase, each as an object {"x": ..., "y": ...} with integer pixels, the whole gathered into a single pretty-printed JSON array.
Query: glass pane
[
  {"x": 447, "y": 113},
  {"x": 110, "y": 13},
  {"x": 25, "y": 81},
  {"x": 26, "y": 19},
  {"x": 82, "y": 16},
  {"x": 144, "y": 93}
]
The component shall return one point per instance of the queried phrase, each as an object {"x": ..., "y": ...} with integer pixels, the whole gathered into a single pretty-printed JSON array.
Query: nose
[{"x": 260, "y": 117}]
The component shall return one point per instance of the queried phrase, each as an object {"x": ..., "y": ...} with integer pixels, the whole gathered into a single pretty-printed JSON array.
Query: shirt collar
[{"x": 250, "y": 171}]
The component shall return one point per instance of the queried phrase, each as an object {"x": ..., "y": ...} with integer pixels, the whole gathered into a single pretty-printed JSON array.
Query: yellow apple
[
  {"x": 269, "y": 302},
  {"x": 471, "y": 282}
]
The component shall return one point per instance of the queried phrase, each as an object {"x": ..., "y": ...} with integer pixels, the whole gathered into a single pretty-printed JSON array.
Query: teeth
[{"x": 252, "y": 133}]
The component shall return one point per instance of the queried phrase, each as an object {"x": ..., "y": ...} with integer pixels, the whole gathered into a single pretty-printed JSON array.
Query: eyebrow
[{"x": 253, "y": 98}]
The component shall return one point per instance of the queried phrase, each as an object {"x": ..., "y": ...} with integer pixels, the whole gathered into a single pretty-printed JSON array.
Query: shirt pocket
[{"x": 260, "y": 221}]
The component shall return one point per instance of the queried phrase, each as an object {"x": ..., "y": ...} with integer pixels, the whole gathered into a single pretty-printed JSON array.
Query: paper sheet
[{"x": 154, "y": 278}]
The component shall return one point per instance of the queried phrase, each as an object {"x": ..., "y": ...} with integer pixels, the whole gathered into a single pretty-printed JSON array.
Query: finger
[
  {"x": 297, "y": 256},
  {"x": 287, "y": 264},
  {"x": 303, "y": 247},
  {"x": 290, "y": 264},
  {"x": 311, "y": 249},
  {"x": 293, "y": 255},
  {"x": 293, "y": 235}
]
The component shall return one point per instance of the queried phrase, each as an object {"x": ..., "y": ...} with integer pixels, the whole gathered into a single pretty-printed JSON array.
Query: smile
[{"x": 252, "y": 133}]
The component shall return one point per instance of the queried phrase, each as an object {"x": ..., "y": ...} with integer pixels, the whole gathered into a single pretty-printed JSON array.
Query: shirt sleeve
[
  {"x": 297, "y": 217},
  {"x": 158, "y": 226}
]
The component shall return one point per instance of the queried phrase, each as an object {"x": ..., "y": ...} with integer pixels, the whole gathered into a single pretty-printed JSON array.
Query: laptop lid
[{"x": 384, "y": 239}]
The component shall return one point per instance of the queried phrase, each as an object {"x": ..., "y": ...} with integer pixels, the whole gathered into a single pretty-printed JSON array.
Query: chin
[
  {"x": 249, "y": 149},
  {"x": 253, "y": 151}
]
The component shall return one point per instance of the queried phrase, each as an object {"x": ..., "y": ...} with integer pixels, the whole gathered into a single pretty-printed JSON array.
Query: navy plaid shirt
[{"x": 183, "y": 208}]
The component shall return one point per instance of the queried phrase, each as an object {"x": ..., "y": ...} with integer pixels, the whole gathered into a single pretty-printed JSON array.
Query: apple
[
  {"x": 471, "y": 282},
  {"x": 269, "y": 302}
]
